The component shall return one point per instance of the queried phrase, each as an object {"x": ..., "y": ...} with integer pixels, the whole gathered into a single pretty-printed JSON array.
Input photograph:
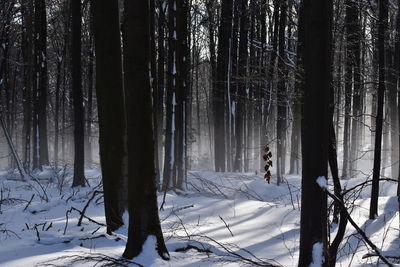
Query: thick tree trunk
[
  {"x": 110, "y": 109},
  {"x": 143, "y": 210},
  {"x": 317, "y": 17}
]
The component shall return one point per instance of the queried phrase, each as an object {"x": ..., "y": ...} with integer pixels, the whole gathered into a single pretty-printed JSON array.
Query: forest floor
[{"x": 222, "y": 219}]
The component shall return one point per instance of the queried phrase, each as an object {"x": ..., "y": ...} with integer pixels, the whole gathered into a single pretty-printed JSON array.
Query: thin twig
[
  {"x": 227, "y": 226},
  {"x": 87, "y": 205},
  {"x": 30, "y": 201}
]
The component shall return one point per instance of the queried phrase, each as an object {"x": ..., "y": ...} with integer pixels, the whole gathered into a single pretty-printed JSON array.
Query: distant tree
[
  {"x": 27, "y": 54},
  {"x": 79, "y": 151},
  {"x": 221, "y": 82},
  {"x": 382, "y": 33},
  {"x": 169, "y": 172},
  {"x": 281, "y": 127},
  {"x": 143, "y": 209},
  {"x": 40, "y": 151},
  {"x": 242, "y": 85},
  {"x": 317, "y": 19}
]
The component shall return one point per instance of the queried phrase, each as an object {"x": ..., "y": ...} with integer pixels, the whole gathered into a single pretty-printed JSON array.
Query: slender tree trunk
[
  {"x": 89, "y": 110},
  {"x": 397, "y": 66},
  {"x": 161, "y": 81},
  {"x": 382, "y": 26},
  {"x": 27, "y": 47},
  {"x": 354, "y": 36},
  {"x": 172, "y": 80},
  {"x": 182, "y": 90},
  {"x": 241, "y": 78},
  {"x": 79, "y": 143},
  {"x": 263, "y": 93},
  {"x": 281, "y": 97},
  {"x": 57, "y": 111},
  {"x": 42, "y": 152},
  {"x": 154, "y": 89},
  {"x": 220, "y": 90}
]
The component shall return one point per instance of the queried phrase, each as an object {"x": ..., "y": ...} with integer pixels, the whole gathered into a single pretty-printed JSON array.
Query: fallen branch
[
  {"x": 6, "y": 231},
  {"x": 11, "y": 200},
  {"x": 75, "y": 209},
  {"x": 29, "y": 202},
  {"x": 227, "y": 226},
  {"x": 342, "y": 207},
  {"x": 98, "y": 258},
  {"x": 189, "y": 247},
  {"x": 369, "y": 255},
  {"x": 87, "y": 205},
  {"x": 256, "y": 262}
]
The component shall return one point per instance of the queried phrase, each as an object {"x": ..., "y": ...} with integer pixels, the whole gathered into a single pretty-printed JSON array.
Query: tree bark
[
  {"x": 143, "y": 210},
  {"x": 40, "y": 43},
  {"x": 241, "y": 79},
  {"x": 111, "y": 109},
  {"x": 170, "y": 115},
  {"x": 79, "y": 142},
  {"x": 281, "y": 97},
  {"x": 382, "y": 26},
  {"x": 317, "y": 18},
  {"x": 220, "y": 88}
]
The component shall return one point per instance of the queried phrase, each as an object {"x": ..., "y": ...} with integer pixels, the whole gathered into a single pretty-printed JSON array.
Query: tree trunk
[
  {"x": 317, "y": 17},
  {"x": 220, "y": 90},
  {"x": 27, "y": 47},
  {"x": 281, "y": 98},
  {"x": 79, "y": 143},
  {"x": 182, "y": 90},
  {"x": 397, "y": 66},
  {"x": 172, "y": 80},
  {"x": 41, "y": 152},
  {"x": 143, "y": 211},
  {"x": 111, "y": 109},
  {"x": 89, "y": 111},
  {"x": 354, "y": 36},
  {"x": 382, "y": 26},
  {"x": 161, "y": 81},
  {"x": 241, "y": 79}
]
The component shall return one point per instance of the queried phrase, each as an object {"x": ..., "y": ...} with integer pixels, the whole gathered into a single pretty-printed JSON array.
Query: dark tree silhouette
[
  {"x": 317, "y": 19},
  {"x": 79, "y": 155},
  {"x": 221, "y": 82},
  {"x": 382, "y": 28},
  {"x": 143, "y": 209},
  {"x": 111, "y": 111},
  {"x": 40, "y": 151}
]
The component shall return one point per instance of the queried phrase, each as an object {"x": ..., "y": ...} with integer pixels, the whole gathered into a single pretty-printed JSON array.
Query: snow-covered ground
[{"x": 233, "y": 219}]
